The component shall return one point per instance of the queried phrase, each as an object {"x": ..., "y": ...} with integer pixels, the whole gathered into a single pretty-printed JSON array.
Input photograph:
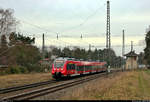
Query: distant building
[
  {"x": 46, "y": 64},
  {"x": 131, "y": 60}
]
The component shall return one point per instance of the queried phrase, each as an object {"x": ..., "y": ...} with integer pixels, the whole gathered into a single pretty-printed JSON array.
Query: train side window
[
  {"x": 68, "y": 66},
  {"x": 73, "y": 67},
  {"x": 81, "y": 68},
  {"x": 77, "y": 68}
]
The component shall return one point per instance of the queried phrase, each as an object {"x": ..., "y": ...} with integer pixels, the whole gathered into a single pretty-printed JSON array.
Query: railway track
[
  {"x": 12, "y": 89},
  {"x": 23, "y": 87},
  {"x": 50, "y": 89}
]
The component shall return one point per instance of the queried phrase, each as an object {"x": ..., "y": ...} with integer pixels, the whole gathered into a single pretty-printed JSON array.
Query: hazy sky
[{"x": 71, "y": 18}]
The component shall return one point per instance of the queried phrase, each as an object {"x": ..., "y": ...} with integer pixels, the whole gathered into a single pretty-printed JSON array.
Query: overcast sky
[{"x": 71, "y": 18}]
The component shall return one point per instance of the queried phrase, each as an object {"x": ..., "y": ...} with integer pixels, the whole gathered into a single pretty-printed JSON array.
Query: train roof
[{"x": 77, "y": 60}]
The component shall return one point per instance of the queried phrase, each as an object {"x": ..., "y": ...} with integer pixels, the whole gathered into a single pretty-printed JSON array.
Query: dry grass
[
  {"x": 133, "y": 85},
  {"x": 21, "y": 79}
]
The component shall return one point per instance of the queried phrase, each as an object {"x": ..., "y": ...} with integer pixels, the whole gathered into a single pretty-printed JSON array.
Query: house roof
[{"x": 131, "y": 54}]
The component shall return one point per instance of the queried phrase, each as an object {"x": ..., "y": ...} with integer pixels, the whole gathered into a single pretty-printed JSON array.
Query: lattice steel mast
[
  {"x": 108, "y": 39},
  {"x": 43, "y": 46}
]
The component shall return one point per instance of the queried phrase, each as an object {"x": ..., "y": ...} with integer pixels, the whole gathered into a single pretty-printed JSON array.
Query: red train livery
[{"x": 63, "y": 67}]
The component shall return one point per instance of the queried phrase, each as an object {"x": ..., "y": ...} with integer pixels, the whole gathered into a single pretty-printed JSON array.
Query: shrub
[
  {"x": 15, "y": 70},
  {"x": 34, "y": 68},
  {"x": 8, "y": 71},
  {"x": 23, "y": 69}
]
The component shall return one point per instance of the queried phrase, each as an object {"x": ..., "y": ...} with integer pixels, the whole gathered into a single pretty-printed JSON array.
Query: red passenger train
[{"x": 63, "y": 67}]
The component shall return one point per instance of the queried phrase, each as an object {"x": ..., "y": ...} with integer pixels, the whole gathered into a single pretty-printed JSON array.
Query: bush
[
  {"x": 7, "y": 71},
  {"x": 34, "y": 68},
  {"x": 23, "y": 69},
  {"x": 15, "y": 70}
]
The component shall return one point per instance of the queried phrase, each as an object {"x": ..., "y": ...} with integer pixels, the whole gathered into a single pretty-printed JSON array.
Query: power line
[
  {"x": 37, "y": 26},
  {"x": 86, "y": 20},
  {"x": 59, "y": 41},
  {"x": 81, "y": 24}
]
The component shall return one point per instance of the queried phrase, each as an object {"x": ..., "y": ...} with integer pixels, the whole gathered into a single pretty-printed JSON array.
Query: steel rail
[
  {"x": 16, "y": 88},
  {"x": 51, "y": 89},
  {"x": 12, "y": 89}
]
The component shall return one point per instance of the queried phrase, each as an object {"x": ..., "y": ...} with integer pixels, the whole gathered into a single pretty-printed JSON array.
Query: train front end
[{"x": 58, "y": 69}]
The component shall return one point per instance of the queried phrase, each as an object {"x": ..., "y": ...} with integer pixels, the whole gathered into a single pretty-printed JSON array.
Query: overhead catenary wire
[
  {"x": 86, "y": 20},
  {"x": 39, "y": 27},
  {"x": 81, "y": 24}
]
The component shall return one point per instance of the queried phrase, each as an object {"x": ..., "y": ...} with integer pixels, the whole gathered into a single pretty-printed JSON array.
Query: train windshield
[{"x": 59, "y": 63}]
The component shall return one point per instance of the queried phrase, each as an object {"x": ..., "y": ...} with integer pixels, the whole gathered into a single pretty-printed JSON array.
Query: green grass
[
  {"x": 147, "y": 71},
  {"x": 144, "y": 83},
  {"x": 141, "y": 87}
]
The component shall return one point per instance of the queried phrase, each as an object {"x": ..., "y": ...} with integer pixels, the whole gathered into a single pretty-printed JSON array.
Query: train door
[{"x": 76, "y": 72}]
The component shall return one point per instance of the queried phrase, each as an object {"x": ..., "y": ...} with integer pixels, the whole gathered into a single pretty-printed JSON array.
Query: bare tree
[{"x": 7, "y": 22}]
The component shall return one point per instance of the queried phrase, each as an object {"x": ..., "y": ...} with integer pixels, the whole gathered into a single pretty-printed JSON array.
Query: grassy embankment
[
  {"x": 133, "y": 85},
  {"x": 21, "y": 79}
]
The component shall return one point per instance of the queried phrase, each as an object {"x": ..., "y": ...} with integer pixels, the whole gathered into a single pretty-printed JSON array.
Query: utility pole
[
  {"x": 123, "y": 43},
  {"x": 108, "y": 39},
  {"x": 81, "y": 37},
  {"x": 57, "y": 36},
  {"x": 131, "y": 45},
  {"x": 131, "y": 51},
  {"x": 89, "y": 56},
  {"x": 89, "y": 47},
  {"x": 43, "y": 47},
  {"x": 123, "y": 49},
  {"x": 108, "y": 42}
]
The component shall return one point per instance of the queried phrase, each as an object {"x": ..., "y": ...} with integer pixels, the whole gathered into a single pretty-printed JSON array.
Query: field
[
  {"x": 131, "y": 85},
  {"x": 21, "y": 79}
]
